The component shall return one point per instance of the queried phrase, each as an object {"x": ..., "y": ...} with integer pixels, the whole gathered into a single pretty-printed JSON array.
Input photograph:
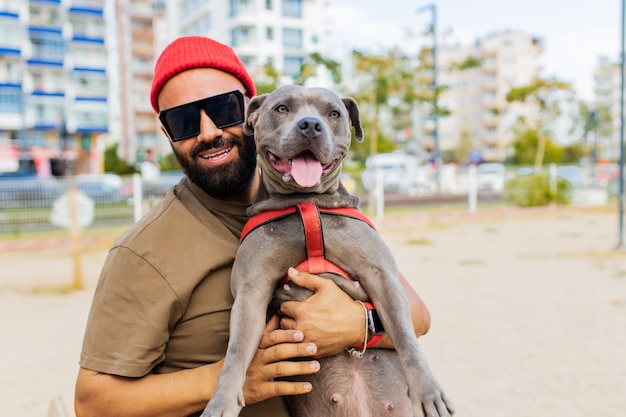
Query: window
[
  {"x": 293, "y": 65},
  {"x": 268, "y": 4},
  {"x": 292, "y": 38},
  {"x": 237, "y": 6},
  {"x": 239, "y": 36},
  {"x": 292, "y": 8},
  {"x": 48, "y": 47},
  {"x": 10, "y": 102},
  {"x": 269, "y": 33}
]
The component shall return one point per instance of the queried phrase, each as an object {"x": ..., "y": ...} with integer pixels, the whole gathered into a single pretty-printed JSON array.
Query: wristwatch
[{"x": 373, "y": 322}]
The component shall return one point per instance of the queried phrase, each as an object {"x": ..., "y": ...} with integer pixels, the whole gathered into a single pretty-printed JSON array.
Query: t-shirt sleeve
[{"x": 132, "y": 312}]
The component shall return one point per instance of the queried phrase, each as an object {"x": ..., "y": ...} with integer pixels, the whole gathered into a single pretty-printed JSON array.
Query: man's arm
[
  {"x": 330, "y": 304},
  {"x": 186, "y": 392}
]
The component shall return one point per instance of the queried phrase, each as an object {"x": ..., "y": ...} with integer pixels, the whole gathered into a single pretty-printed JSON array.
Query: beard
[{"x": 224, "y": 180}]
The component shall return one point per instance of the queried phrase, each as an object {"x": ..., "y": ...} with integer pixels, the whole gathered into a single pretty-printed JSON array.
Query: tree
[
  {"x": 381, "y": 82},
  {"x": 546, "y": 96},
  {"x": 312, "y": 64},
  {"x": 526, "y": 144},
  {"x": 113, "y": 162}
]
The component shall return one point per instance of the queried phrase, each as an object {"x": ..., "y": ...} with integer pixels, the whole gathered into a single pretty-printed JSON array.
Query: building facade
[
  {"x": 53, "y": 85},
  {"x": 475, "y": 92},
  {"x": 607, "y": 108}
]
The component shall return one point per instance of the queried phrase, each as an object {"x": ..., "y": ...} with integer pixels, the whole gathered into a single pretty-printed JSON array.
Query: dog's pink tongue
[{"x": 306, "y": 170}]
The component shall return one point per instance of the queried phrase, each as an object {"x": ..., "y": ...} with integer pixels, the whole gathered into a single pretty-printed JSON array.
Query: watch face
[{"x": 374, "y": 323}]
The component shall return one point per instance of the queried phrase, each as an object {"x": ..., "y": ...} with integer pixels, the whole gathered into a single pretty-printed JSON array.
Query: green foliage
[
  {"x": 525, "y": 147},
  {"x": 573, "y": 153},
  {"x": 113, "y": 163},
  {"x": 534, "y": 190},
  {"x": 541, "y": 91},
  {"x": 548, "y": 96},
  {"x": 268, "y": 81},
  {"x": 169, "y": 162},
  {"x": 378, "y": 81},
  {"x": 359, "y": 151},
  {"x": 468, "y": 63}
]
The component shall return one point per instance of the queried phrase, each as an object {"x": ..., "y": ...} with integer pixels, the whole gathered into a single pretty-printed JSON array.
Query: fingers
[
  {"x": 306, "y": 280},
  {"x": 287, "y": 351},
  {"x": 265, "y": 390},
  {"x": 273, "y": 335},
  {"x": 271, "y": 364}
]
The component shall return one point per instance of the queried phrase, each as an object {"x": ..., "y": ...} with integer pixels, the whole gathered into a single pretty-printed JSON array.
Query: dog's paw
[{"x": 431, "y": 401}]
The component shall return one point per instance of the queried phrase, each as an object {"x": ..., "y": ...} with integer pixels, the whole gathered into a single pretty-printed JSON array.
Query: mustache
[{"x": 217, "y": 143}]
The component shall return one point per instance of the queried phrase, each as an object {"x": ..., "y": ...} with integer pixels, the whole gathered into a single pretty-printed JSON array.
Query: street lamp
[{"x": 437, "y": 155}]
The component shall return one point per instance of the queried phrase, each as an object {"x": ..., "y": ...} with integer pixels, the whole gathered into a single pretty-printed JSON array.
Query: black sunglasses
[{"x": 183, "y": 122}]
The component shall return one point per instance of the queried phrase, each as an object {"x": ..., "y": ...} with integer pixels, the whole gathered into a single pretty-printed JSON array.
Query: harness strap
[
  {"x": 316, "y": 263},
  {"x": 262, "y": 218},
  {"x": 313, "y": 236}
]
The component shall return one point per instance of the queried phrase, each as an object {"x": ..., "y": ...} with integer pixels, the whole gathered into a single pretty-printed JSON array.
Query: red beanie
[{"x": 197, "y": 52}]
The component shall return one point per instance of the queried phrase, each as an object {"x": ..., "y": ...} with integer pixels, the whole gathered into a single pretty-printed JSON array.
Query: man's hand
[
  {"x": 329, "y": 318},
  {"x": 273, "y": 360}
]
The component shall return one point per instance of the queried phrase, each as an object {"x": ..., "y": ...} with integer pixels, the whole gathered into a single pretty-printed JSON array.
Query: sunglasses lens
[
  {"x": 225, "y": 110},
  {"x": 183, "y": 122}
]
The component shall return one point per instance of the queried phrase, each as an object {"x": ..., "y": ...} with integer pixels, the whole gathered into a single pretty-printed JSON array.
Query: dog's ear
[
  {"x": 252, "y": 114},
  {"x": 355, "y": 118}
]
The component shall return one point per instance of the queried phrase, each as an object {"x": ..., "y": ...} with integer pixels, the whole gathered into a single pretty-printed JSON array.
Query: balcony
[
  {"x": 490, "y": 84},
  {"x": 86, "y": 9},
  {"x": 491, "y": 139},
  {"x": 490, "y": 120},
  {"x": 9, "y": 11}
]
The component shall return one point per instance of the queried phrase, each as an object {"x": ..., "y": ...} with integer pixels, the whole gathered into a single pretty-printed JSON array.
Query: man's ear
[
  {"x": 355, "y": 118},
  {"x": 252, "y": 114}
]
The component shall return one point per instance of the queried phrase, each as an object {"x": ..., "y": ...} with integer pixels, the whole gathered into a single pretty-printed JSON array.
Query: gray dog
[{"x": 302, "y": 135}]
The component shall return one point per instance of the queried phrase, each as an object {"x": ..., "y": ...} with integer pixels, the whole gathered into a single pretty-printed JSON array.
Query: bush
[
  {"x": 113, "y": 163},
  {"x": 534, "y": 190}
]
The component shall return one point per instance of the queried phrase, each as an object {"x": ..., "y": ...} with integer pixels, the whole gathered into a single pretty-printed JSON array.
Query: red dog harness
[{"x": 316, "y": 262}]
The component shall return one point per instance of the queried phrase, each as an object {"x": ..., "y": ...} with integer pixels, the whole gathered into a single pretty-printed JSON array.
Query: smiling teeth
[{"x": 215, "y": 155}]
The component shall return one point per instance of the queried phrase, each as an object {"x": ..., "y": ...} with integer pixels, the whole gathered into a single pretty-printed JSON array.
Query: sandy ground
[{"x": 528, "y": 312}]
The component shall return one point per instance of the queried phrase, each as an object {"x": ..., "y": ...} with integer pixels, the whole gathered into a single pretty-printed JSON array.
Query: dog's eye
[
  {"x": 335, "y": 114},
  {"x": 282, "y": 109}
]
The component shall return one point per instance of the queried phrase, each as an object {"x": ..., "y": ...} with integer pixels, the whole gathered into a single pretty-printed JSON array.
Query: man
[{"x": 158, "y": 326}]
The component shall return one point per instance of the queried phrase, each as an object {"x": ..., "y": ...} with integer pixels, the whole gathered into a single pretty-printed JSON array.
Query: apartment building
[
  {"x": 607, "y": 106},
  {"x": 134, "y": 124},
  {"x": 53, "y": 85},
  {"x": 475, "y": 94},
  {"x": 280, "y": 32}
]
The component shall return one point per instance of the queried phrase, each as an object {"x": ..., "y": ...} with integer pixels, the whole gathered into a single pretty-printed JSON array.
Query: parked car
[
  {"x": 400, "y": 172},
  {"x": 491, "y": 176},
  {"x": 103, "y": 188},
  {"x": 572, "y": 174},
  {"x": 18, "y": 190}
]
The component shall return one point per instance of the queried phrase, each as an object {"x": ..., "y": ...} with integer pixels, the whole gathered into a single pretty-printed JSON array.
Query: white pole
[
  {"x": 472, "y": 195},
  {"x": 380, "y": 194},
  {"x": 137, "y": 196}
]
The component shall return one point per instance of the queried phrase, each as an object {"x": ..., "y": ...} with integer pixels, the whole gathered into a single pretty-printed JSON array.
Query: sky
[{"x": 574, "y": 32}]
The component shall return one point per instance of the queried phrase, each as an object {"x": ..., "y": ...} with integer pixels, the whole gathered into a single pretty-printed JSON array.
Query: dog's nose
[{"x": 311, "y": 127}]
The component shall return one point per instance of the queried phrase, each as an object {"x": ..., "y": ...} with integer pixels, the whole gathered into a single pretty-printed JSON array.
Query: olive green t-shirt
[{"x": 162, "y": 303}]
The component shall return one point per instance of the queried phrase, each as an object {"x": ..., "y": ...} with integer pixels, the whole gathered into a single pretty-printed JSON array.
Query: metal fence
[{"x": 31, "y": 206}]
